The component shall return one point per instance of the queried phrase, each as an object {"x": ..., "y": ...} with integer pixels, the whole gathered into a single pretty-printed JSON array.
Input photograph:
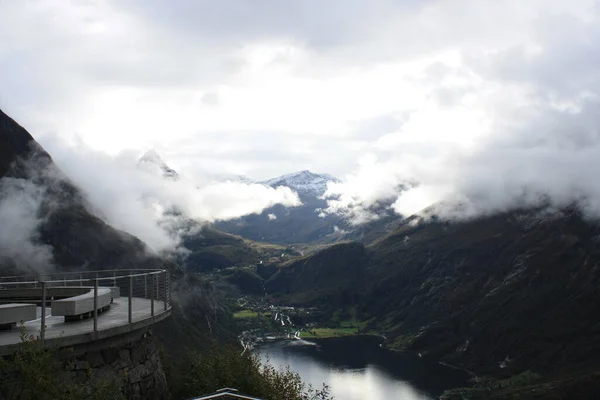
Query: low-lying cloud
[
  {"x": 20, "y": 202},
  {"x": 503, "y": 129},
  {"x": 147, "y": 205}
]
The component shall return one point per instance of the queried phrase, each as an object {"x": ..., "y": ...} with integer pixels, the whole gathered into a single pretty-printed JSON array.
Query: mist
[
  {"x": 473, "y": 108},
  {"x": 142, "y": 202},
  {"x": 20, "y": 201},
  {"x": 516, "y": 127}
]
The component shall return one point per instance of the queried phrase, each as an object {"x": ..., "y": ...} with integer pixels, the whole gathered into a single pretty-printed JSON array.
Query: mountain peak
[
  {"x": 153, "y": 159},
  {"x": 303, "y": 181}
]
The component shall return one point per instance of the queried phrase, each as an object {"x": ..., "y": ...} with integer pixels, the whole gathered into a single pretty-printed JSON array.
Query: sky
[{"x": 488, "y": 104}]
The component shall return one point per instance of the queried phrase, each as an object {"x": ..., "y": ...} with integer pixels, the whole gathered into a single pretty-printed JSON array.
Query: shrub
[
  {"x": 36, "y": 373},
  {"x": 224, "y": 366}
]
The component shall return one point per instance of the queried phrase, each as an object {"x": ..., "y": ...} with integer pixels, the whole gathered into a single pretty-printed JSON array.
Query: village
[{"x": 260, "y": 321}]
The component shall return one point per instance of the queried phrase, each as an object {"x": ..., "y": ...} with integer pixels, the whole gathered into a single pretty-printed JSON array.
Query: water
[{"x": 357, "y": 368}]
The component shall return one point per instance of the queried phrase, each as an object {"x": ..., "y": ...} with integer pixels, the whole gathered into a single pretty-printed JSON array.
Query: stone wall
[
  {"x": 130, "y": 361},
  {"x": 132, "y": 358}
]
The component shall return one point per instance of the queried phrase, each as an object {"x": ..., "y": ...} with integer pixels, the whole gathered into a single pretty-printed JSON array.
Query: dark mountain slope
[
  {"x": 78, "y": 239},
  {"x": 15, "y": 144},
  {"x": 497, "y": 295},
  {"x": 300, "y": 224},
  {"x": 212, "y": 249},
  {"x": 508, "y": 287},
  {"x": 334, "y": 275}
]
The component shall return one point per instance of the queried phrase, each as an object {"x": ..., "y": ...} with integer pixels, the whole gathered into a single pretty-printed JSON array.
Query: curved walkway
[{"x": 114, "y": 321}]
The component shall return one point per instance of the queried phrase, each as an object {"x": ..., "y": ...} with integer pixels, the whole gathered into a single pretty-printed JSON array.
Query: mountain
[
  {"x": 498, "y": 295},
  {"x": 210, "y": 249},
  {"x": 70, "y": 238},
  {"x": 74, "y": 237},
  {"x": 307, "y": 224},
  {"x": 289, "y": 225},
  {"x": 205, "y": 248},
  {"x": 304, "y": 182},
  {"x": 153, "y": 162}
]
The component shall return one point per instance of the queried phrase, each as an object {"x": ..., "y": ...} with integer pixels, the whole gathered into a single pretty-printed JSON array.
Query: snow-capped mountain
[
  {"x": 285, "y": 225},
  {"x": 304, "y": 182},
  {"x": 153, "y": 161}
]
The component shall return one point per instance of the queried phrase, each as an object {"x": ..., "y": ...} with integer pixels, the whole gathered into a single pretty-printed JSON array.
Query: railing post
[
  {"x": 166, "y": 287},
  {"x": 43, "y": 327},
  {"x": 96, "y": 305},
  {"x": 152, "y": 296},
  {"x": 145, "y": 286},
  {"x": 130, "y": 296}
]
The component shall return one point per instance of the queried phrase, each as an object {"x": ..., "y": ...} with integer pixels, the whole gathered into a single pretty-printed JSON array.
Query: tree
[
  {"x": 224, "y": 366},
  {"x": 36, "y": 373}
]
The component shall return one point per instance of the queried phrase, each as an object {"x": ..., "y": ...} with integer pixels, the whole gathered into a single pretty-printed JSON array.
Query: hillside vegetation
[{"x": 497, "y": 295}]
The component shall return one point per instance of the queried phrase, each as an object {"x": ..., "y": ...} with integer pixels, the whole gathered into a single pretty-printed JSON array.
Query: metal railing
[{"x": 142, "y": 288}]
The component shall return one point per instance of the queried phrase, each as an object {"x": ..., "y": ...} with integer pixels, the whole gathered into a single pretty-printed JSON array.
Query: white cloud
[
  {"x": 490, "y": 103},
  {"x": 272, "y": 217},
  {"x": 20, "y": 201},
  {"x": 139, "y": 202}
]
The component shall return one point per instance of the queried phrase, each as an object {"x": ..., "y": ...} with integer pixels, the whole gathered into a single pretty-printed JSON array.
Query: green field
[
  {"x": 328, "y": 332},
  {"x": 251, "y": 314},
  {"x": 245, "y": 314}
]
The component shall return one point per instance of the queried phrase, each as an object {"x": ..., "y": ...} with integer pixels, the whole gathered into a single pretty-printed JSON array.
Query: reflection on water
[{"x": 357, "y": 368}]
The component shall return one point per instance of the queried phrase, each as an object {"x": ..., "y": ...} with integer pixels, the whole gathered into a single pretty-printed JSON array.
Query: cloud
[
  {"x": 20, "y": 202},
  {"x": 143, "y": 75},
  {"x": 272, "y": 217},
  {"x": 513, "y": 127},
  {"x": 363, "y": 196},
  {"x": 487, "y": 104},
  {"x": 338, "y": 232},
  {"x": 141, "y": 202}
]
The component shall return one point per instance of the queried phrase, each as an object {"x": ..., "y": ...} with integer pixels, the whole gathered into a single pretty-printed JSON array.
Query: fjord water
[{"x": 358, "y": 368}]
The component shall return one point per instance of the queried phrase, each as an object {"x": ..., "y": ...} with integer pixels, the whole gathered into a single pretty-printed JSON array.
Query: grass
[
  {"x": 245, "y": 314},
  {"x": 524, "y": 378},
  {"x": 484, "y": 389},
  {"x": 328, "y": 332},
  {"x": 401, "y": 342},
  {"x": 362, "y": 325}
]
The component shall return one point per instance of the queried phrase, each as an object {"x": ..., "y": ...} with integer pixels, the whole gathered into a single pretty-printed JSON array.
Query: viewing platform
[{"x": 74, "y": 308}]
